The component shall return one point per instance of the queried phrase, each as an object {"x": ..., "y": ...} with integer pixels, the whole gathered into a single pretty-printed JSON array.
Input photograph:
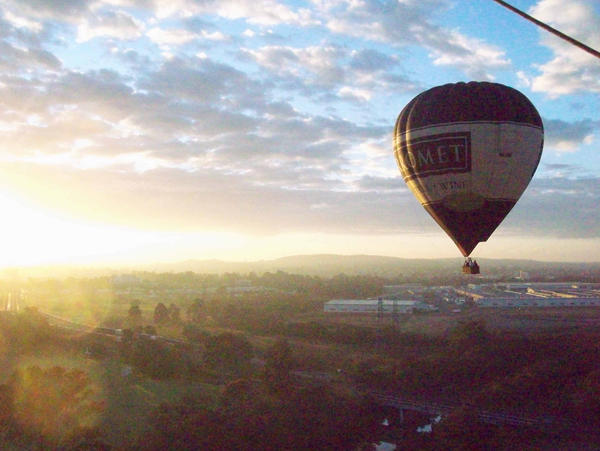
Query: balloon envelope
[{"x": 468, "y": 151}]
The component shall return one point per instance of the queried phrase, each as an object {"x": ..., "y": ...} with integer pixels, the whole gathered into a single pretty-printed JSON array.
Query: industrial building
[
  {"x": 532, "y": 301},
  {"x": 374, "y": 306},
  {"x": 507, "y": 295}
]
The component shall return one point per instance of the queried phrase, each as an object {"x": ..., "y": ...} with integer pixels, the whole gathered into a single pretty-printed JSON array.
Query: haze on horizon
[{"x": 144, "y": 131}]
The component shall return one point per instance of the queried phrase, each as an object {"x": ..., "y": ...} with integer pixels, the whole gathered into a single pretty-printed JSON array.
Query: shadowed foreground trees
[
  {"x": 278, "y": 364},
  {"x": 311, "y": 418},
  {"x": 229, "y": 352},
  {"x": 52, "y": 408}
]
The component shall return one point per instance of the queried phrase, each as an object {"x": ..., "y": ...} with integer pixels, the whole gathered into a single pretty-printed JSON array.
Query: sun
[{"x": 31, "y": 235}]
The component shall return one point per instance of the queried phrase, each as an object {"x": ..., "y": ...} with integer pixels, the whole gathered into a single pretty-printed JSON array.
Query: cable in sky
[{"x": 546, "y": 27}]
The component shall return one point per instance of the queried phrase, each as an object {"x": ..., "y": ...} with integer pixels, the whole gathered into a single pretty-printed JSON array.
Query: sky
[{"x": 143, "y": 130}]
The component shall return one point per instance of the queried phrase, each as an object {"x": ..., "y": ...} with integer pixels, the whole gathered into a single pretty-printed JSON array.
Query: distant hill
[
  {"x": 331, "y": 264},
  {"x": 324, "y": 265},
  {"x": 319, "y": 264}
]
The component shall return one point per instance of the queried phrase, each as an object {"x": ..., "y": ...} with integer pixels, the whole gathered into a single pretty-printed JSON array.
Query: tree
[
  {"x": 156, "y": 359},
  {"x": 451, "y": 431},
  {"x": 250, "y": 419},
  {"x": 230, "y": 351},
  {"x": 196, "y": 311},
  {"x": 278, "y": 364},
  {"x": 319, "y": 418},
  {"x": 86, "y": 439},
  {"x": 161, "y": 314},
  {"x": 194, "y": 334},
  {"x": 134, "y": 314},
  {"x": 53, "y": 402},
  {"x": 469, "y": 335},
  {"x": 240, "y": 394},
  {"x": 175, "y": 313},
  {"x": 6, "y": 404}
]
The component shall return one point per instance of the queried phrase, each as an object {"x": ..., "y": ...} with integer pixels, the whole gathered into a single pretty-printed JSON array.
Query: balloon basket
[{"x": 470, "y": 267}]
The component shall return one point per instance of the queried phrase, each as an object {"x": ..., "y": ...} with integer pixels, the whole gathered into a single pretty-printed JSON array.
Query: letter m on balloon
[{"x": 434, "y": 155}]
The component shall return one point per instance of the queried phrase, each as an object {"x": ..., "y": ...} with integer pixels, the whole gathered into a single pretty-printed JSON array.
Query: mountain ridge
[
  {"x": 326, "y": 265},
  {"x": 332, "y": 264}
]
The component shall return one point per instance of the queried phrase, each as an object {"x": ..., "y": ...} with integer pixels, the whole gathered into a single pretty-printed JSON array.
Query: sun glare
[{"x": 31, "y": 235}]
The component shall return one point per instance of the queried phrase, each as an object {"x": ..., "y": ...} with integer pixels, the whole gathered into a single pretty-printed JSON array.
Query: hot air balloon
[{"x": 467, "y": 151}]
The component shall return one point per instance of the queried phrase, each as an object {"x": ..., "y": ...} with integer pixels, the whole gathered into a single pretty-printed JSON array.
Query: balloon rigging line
[{"x": 546, "y": 27}]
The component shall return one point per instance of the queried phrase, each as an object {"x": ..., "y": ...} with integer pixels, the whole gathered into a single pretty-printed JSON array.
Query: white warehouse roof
[
  {"x": 372, "y": 306},
  {"x": 539, "y": 302},
  {"x": 370, "y": 301}
]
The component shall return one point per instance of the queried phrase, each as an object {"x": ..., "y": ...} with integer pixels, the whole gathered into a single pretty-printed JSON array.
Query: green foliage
[
  {"x": 86, "y": 439},
  {"x": 462, "y": 430},
  {"x": 468, "y": 335},
  {"x": 161, "y": 314},
  {"x": 195, "y": 334},
  {"x": 47, "y": 407},
  {"x": 229, "y": 351},
  {"x": 278, "y": 364},
  {"x": 196, "y": 311},
  {"x": 241, "y": 394},
  {"x": 250, "y": 419},
  {"x": 135, "y": 311},
  {"x": 174, "y": 314},
  {"x": 25, "y": 331},
  {"x": 156, "y": 359}
]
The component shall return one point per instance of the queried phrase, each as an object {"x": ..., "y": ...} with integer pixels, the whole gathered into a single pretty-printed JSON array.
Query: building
[
  {"x": 373, "y": 306},
  {"x": 514, "y": 302}
]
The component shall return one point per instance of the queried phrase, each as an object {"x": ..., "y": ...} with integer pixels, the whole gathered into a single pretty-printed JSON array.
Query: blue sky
[{"x": 137, "y": 130}]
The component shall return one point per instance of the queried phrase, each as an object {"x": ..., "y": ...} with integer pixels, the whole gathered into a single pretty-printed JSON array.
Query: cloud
[
  {"x": 170, "y": 37},
  {"x": 474, "y": 57},
  {"x": 112, "y": 24},
  {"x": 67, "y": 10},
  {"x": 259, "y": 12},
  {"x": 382, "y": 184},
  {"x": 188, "y": 115},
  {"x": 23, "y": 22},
  {"x": 370, "y": 60},
  {"x": 205, "y": 82},
  {"x": 409, "y": 23},
  {"x": 561, "y": 170},
  {"x": 355, "y": 94},
  {"x": 355, "y": 75},
  {"x": 317, "y": 61},
  {"x": 20, "y": 60},
  {"x": 559, "y": 207},
  {"x": 567, "y": 136},
  {"x": 571, "y": 69},
  {"x": 172, "y": 199}
]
